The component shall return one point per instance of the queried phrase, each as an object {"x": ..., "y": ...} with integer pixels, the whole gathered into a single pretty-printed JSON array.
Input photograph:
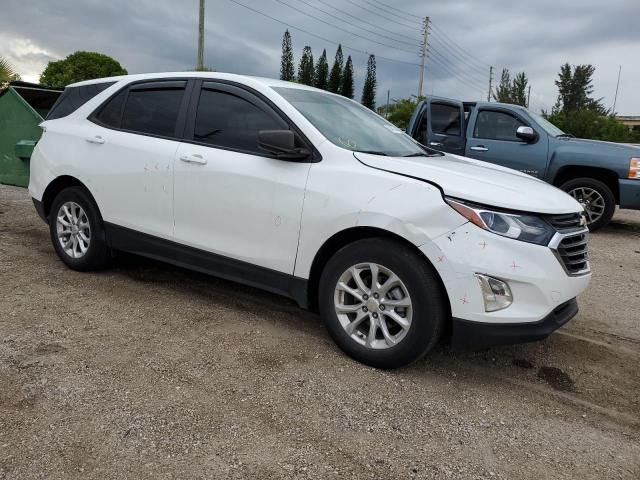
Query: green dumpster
[{"x": 22, "y": 107}]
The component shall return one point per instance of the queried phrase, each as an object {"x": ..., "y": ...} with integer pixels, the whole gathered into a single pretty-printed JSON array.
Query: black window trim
[
  {"x": 188, "y": 108},
  {"x": 447, "y": 103},
  {"x": 139, "y": 84},
  {"x": 249, "y": 94},
  {"x": 508, "y": 112}
]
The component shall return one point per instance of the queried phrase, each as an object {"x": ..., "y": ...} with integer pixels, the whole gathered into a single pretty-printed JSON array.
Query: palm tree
[{"x": 7, "y": 73}]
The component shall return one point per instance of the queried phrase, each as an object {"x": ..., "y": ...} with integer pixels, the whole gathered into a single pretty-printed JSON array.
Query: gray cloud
[{"x": 535, "y": 37}]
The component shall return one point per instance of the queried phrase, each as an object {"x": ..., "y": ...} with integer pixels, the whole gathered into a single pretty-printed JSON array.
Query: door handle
[
  {"x": 479, "y": 148},
  {"x": 97, "y": 139},
  {"x": 436, "y": 144},
  {"x": 195, "y": 158}
]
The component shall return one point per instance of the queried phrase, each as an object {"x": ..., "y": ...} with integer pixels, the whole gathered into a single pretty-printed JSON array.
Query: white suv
[{"x": 311, "y": 196}]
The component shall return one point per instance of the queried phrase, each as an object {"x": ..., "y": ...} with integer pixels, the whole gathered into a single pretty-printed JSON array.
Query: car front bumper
[
  {"x": 630, "y": 194},
  {"x": 538, "y": 281},
  {"x": 466, "y": 335}
]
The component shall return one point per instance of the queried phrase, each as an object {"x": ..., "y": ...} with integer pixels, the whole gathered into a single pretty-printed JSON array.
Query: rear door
[
  {"x": 440, "y": 125},
  {"x": 130, "y": 148},
  {"x": 493, "y": 139}
]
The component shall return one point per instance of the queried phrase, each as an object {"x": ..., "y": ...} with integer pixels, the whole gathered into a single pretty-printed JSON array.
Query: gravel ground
[{"x": 149, "y": 371}]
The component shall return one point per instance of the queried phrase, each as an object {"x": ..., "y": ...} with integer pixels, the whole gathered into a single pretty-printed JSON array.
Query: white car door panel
[{"x": 246, "y": 206}]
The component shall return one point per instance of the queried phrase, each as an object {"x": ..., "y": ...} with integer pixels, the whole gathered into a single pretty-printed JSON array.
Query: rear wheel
[
  {"x": 76, "y": 230},
  {"x": 382, "y": 303},
  {"x": 596, "y": 197}
]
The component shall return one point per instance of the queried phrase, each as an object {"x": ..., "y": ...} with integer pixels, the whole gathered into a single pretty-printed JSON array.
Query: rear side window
[
  {"x": 74, "y": 97},
  {"x": 446, "y": 119},
  {"x": 229, "y": 121},
  {"x": 493, "y": 125},
  {"x": 152, "y": 108}
]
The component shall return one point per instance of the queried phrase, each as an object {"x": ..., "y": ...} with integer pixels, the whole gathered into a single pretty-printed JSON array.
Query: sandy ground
[{"x": 149, "y": 371}]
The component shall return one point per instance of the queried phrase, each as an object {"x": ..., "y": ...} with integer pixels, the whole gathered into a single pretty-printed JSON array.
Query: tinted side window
[
  {"x": 226, "y": 120},
  {"x": 497, "y": 126},
  {"x": 111, "y": 113},
  {"x": 74, "y": 97},
  {"x": 445, "y": 119},
  {"x": 153, "y": 108}
]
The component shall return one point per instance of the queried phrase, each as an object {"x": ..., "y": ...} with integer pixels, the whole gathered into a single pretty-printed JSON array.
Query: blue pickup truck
[{"x": 600, "y": 175}]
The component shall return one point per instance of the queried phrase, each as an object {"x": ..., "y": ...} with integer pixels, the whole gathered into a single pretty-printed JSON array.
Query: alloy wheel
[
  {"x": 592, "y": 202},
  {"x": 73, "y": 229},
  {"x": 373, "y": 305}
]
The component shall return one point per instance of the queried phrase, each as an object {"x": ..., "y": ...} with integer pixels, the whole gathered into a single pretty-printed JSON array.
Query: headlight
[
  {"x": 634, "y": 168},
  {"x": 528, "y": 228}
]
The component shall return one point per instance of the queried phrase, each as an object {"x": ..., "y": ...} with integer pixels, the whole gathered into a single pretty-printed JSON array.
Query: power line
[
  {"x": 415, "y": 25},
  {"x": 391, "y": 7},
  {"x": 324, "y": 39},
  {"x": 351, "y": 24},
  {"x": 344, "y": 29},
  {"x": 365, "y": 22},
  {"x": 473, "y": 59},
  {"x": 460, "y": 58}
]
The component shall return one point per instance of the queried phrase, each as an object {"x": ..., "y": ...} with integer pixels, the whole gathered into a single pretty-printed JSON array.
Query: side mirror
[
  {"x": 282, "y": 144},
  {"x": 526, "y": 134}
]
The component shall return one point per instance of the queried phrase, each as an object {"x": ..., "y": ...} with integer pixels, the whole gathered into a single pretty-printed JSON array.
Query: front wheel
[
  {"x": 596, "y": 197},
  {"x": 382, "y": 303}
]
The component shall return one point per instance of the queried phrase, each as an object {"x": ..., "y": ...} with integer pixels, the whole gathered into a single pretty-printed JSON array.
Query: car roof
[{"x": 269, "y": 82}]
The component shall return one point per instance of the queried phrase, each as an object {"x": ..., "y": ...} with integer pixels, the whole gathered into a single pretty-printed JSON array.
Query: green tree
[
  {"x": 306, "y": 70},
  {"x": 321, "y": 79},
  {"x": 335, "y": 77},
  {"x": 519, "y": 89},
  {"x": 7, "y": 72},
  {"x": 502, "y": 92},
  {"x": 287, "y": 69},
  {"x": 346, "y": 86},
  {"x": 80, "y": 66},
  {"x": 588, "y": 123},
  {"x": 400, "y": 110},
  {"x": 575, "y": 87},
  {"x": 369, "y": 89}
]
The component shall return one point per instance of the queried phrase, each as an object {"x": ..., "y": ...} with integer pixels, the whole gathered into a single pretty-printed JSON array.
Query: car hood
[
  {"x": 625, "y": 149},
  {"x": 479, "y": 182}
]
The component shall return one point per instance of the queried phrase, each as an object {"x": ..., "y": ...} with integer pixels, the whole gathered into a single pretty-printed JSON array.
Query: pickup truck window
[
  {"x": 445, "y": 119},
  {"x": 494, "y": 125}
]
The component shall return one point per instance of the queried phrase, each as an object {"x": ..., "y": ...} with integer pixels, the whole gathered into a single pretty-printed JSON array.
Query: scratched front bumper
[{"x": 537, "y": 279}]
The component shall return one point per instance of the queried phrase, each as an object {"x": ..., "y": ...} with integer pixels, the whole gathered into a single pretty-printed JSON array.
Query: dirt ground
[{"x": 148, "y": 371}]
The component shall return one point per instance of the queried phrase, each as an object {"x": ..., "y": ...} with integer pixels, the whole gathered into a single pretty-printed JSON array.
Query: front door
[
  {"x": 494, "y": 140},
  {"x": 231, "y": 198}
]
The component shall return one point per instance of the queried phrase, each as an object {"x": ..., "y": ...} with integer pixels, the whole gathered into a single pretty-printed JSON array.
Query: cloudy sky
[{"x": 466, "y": 37}]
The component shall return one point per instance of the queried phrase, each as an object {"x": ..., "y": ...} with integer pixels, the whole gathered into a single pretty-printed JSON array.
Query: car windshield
[
  {"x": 546, "y": 125},
  {"x": 349, "y": 125}
]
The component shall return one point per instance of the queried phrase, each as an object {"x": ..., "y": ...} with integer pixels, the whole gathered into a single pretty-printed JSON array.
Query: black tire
[
  {"x": 97, "y": 254},
  {"x": 604, "y": 191},
  {"x": 428, "y": 298}
]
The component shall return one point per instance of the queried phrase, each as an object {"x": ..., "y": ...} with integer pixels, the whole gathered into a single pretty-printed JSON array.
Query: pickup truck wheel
[
  {"x": 76, "y": 230},
  {"x": 596, "y": 197},
  {"x": 382, "y": 303}
]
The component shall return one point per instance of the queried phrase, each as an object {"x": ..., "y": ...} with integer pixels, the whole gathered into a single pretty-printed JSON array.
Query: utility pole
[
  {"x": 529, "y": 97},
  {"x": 387, "y": 109},
  {"x": 200, "y": 62},
  {"x": 490, "y": 83},
  {"x": 615, "y": 100},
  {"x": 423, "y": 53}
]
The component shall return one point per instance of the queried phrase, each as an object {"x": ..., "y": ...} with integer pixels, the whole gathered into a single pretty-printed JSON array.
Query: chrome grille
[{"x": 571, "y": 250}]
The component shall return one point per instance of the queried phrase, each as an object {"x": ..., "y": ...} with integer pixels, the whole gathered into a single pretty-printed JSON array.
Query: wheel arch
[
  {"x": 56, "y": 186},
  {"x": 348, "y": 236},
  {"x": 604, "y": 175}
]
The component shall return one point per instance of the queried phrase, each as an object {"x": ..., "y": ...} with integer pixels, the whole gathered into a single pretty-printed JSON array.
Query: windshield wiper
[
  {"x": 565, "y": 135},
  {"x": 417, "y": 154},
  {"x": 373, "y": 152}
]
